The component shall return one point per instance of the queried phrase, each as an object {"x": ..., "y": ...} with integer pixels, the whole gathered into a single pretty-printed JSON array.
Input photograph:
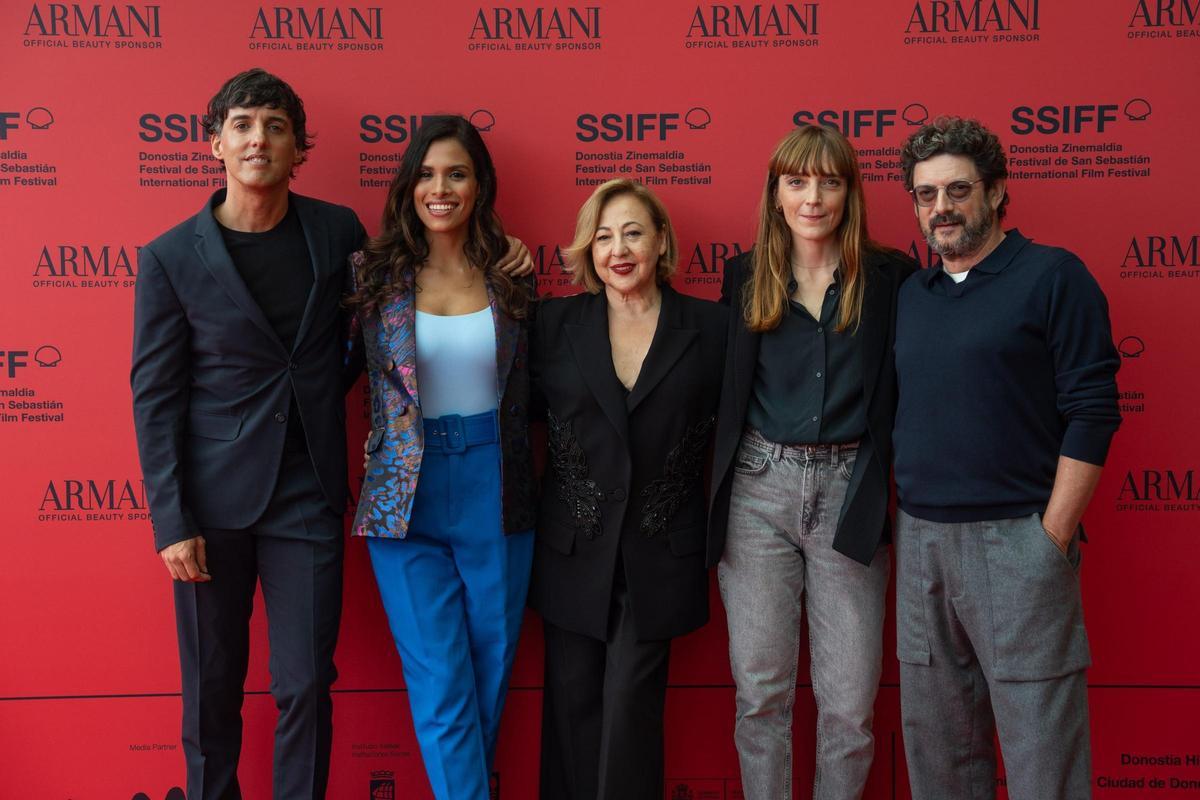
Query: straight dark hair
[{"x": 394, "y": 257}]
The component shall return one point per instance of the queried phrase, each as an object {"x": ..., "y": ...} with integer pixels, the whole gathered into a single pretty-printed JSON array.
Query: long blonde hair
[{"x": 811, "y": 150}]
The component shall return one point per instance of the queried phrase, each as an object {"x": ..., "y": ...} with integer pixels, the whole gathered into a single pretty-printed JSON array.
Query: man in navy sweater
[{"x": 1008, "y": 402}]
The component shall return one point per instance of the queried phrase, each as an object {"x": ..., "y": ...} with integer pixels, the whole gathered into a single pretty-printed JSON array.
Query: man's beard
[{"x": 972, "y": 236}]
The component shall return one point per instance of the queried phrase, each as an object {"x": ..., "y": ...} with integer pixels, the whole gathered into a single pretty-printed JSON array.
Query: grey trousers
[
  {"x": 779, "y": 561},
  {"x": 991, "y": 640}
]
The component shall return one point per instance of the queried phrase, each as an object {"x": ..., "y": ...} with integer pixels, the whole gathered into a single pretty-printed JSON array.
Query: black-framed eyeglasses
[{"x": 957, "y": 191}]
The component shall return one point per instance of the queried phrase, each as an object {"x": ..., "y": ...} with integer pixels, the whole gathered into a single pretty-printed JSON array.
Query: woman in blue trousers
[{"x": 447, "y": 500}]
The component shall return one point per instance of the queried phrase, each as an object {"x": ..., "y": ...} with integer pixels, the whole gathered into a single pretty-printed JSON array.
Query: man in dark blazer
[{"x": 239, "y": 414}]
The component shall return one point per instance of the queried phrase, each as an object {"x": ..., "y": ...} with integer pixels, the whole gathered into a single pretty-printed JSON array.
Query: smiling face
[
  {"x": 812, "y": 205},
  {"x": 258, "y": 148},
  {"x": 446, "y": 188},
  {"x": 957, "y": 231},
  {"x": 626, "y": 246}
]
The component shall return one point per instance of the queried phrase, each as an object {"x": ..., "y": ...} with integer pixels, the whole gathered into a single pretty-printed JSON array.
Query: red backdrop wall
[{"x": 101, "y": 150}]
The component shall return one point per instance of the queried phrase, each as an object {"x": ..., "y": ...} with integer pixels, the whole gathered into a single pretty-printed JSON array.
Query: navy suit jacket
[{"x": 213, "y": 383}]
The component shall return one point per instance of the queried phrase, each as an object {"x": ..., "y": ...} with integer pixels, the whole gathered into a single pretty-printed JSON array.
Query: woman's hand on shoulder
[{"x": 517, "y": 262}]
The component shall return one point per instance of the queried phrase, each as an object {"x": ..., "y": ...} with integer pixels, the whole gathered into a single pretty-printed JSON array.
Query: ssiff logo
[
  {"x": 38, "y": 118},
  {"x": 98, "y": 26},
  {"x": 861, "y": 122},
  {"x": 972, "y": 22},
  {"x": 753, "y": 26},
  {"x": 535, "y": 29},
  {"x": 639, "y": 127},
  {"x": 1078, "y": 117},
  {"x": 319, "y": 29},
  {"x": 13, "y": 361},
  {"x": 16, "y": 167}
]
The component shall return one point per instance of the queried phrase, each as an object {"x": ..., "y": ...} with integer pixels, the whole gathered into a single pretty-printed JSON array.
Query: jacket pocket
[
  {"x": 223, "y": 427},
  {"x": 1036, "y": 608}
]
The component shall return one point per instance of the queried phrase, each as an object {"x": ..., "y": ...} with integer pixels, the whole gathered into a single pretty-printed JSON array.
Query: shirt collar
[{"x": 792, "y": 285}]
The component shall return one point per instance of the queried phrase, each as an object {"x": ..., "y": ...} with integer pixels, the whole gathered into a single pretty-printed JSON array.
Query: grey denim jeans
[{"x": 779, "y": 560}]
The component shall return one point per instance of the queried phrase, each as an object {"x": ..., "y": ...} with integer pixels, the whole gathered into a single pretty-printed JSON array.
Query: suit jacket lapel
[
  {"x": 671, "y": 340},
  {"x": 211, "y": 249},
  {"x": 398, "y": 323},
  {"x": 589, "y": 343},
  {"x": 872, "y": 334},
  {"x": 745, "y": 344},
  {"x": 507, "y": 332},
  {"x": 318, "y": 250}
]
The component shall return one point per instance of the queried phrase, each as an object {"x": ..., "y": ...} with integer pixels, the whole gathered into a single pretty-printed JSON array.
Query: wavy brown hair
[
  {"x": 392, "y": 259},
  {"x": 819, "y": 151}
]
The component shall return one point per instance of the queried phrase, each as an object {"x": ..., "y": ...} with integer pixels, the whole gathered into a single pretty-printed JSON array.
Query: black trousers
[
  {"x": 295, "y": 552},
  {"x": 602, "y": 712}
]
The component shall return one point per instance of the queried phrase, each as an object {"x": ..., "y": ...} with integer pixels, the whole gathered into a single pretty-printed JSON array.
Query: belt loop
[
  {"x": 776, "y": 451},
  {"x": 833, "y": 456}
]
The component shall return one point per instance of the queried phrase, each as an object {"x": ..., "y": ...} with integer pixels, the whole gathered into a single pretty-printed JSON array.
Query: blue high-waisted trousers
[{"x": 454, "y": 592}]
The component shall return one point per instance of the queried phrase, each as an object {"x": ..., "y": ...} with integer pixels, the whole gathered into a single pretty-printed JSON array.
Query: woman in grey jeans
[{"x": 803, "y": 448}]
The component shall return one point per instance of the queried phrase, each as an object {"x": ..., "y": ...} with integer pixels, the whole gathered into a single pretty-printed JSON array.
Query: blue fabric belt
[{"x": 454, "y": 434}]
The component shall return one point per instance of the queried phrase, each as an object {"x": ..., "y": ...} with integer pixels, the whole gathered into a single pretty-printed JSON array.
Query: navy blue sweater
[{"x": 998, "y": 377}]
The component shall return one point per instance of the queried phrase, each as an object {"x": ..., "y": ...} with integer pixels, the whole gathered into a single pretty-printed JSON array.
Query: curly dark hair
[
  {"x": 957, "y": 137},
  {"x": 392, "y": 259},
  {"x": 257, "y": 88}
]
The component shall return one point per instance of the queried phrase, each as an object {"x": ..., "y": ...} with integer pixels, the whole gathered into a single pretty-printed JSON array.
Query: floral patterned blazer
[{"x": 396, "y": 441}]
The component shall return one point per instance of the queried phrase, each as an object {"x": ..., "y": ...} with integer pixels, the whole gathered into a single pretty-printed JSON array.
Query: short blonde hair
[{"x": 578, "y": 254}]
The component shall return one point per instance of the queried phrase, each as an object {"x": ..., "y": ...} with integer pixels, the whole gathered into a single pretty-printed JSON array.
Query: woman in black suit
[
  {"x": 802, "y": 458},
  {"x": 630, "y": 372}
]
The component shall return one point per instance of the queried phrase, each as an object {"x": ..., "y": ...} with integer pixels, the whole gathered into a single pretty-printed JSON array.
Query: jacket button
[
  {"x": 517, "y": 362},
  {"x": 617, "y": 494},
  {"x": 515, "y": 408},
  {"x": 391, "y": 365},
  {"x": 280, "y": 416},
  {"x": 293, "y": 366}
]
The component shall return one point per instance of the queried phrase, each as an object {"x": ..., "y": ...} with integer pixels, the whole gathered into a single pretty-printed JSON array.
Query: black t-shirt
[{"x": 277, "y": 268}]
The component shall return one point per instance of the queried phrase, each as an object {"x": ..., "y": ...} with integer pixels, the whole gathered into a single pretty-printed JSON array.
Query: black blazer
[
  {"x": 864, "y": 521},
  {"x": 625, "y": 471},
  {"x": 212, "y": 382}
]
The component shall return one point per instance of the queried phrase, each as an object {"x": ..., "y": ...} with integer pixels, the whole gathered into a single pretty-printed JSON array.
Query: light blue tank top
[{"x": 456, "y": 363}]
